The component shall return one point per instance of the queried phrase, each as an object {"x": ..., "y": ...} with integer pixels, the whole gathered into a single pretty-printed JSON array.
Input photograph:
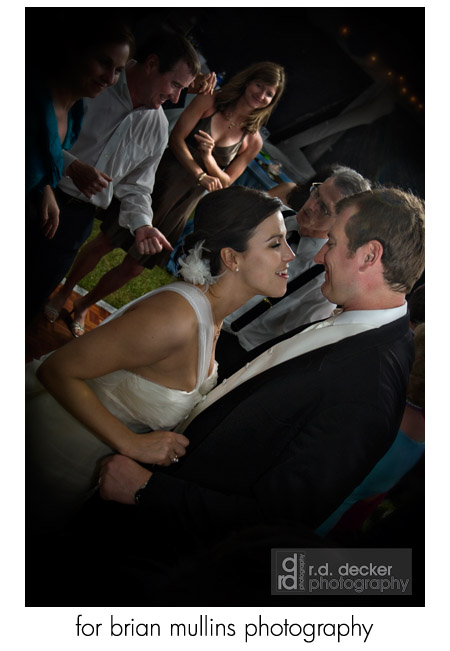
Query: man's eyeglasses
[{"x": 314, "y": 193}]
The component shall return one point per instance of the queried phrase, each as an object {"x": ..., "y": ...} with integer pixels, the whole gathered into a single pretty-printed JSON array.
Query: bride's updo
[{"x": 224, "y": 218}]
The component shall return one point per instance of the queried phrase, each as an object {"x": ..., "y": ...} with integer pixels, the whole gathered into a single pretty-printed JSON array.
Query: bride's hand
[{"x": 161, "y": 447}]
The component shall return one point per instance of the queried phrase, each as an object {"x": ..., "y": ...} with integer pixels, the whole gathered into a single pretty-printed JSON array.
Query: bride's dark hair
[{"x": 229, "y": 217}]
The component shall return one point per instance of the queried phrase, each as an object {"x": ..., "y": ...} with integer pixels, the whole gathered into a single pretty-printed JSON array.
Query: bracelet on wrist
[
  {"x": 200, "y": 177},
  {"x": 140, "y": 490}
]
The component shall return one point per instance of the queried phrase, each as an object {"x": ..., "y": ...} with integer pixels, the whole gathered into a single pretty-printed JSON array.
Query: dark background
[{"x": 326, "y": 70}]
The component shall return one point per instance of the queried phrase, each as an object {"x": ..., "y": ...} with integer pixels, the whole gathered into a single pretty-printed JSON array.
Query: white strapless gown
[{"x": 63, "y": 456}]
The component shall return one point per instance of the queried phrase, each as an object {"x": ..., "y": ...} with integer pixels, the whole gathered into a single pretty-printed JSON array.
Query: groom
[{"x": 290, "y": 435}]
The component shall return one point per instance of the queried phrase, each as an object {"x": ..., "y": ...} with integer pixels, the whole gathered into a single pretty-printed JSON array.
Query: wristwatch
[{"x": 140, "y": 490}]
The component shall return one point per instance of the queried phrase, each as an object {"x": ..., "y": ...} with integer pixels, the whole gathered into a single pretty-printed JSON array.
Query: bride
[{"x": 126, "y": 384}]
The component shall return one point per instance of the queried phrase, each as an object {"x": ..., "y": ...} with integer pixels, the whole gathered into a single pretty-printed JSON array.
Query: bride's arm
[{"x": 153, "y": 331}]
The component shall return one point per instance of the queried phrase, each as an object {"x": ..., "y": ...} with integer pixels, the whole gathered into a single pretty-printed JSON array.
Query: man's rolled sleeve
[
  {"x": 135, "y": 208},
  {"x": 134, "y": 192}
]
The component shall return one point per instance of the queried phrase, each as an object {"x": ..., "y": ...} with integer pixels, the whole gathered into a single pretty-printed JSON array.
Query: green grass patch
[{"x": 149, "y": 279}]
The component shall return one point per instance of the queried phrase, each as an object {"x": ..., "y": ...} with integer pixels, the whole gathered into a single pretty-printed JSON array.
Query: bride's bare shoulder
[{"x": 167, "y": 312}]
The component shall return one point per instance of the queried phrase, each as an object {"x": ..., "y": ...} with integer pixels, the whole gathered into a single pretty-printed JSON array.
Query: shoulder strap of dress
[
  {"x": 244, "y": 133},
  {"x": 202, "y": 309},
  {"x": 207, "y": 119}
]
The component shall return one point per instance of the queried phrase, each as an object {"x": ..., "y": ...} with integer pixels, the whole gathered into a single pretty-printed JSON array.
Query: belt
[{"x": 66, "y": 199}]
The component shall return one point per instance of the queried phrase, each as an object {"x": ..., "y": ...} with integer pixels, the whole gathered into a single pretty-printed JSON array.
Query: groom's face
[{"x": 342, "y": 285}]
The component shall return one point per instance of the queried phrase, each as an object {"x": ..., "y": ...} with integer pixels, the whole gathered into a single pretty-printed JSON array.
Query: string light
[{"x": 374, "y": 58}]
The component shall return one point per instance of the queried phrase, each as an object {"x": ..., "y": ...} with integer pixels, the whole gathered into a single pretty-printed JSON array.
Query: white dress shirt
[
  {"x": 125, "y": 143},
  {"x": 345, "y": 324},
  {"x": 305, "y": 305}
]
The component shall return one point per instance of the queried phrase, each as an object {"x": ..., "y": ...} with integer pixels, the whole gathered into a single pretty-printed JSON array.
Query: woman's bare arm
[
  {"x": 249, "y": 150},
  {"x": 146, "y": 336},
  {"x": 201, "y": 106}
]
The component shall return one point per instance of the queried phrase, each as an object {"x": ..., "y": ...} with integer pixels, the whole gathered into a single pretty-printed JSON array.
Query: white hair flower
[{"x": 195, "y": 269}]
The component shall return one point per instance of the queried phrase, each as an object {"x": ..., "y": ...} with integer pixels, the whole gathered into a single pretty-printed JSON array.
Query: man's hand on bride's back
[{"x": 161, "y": 447}]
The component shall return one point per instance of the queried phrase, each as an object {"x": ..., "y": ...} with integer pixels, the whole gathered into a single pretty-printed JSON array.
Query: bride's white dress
[{"x": 63, "y": 456}]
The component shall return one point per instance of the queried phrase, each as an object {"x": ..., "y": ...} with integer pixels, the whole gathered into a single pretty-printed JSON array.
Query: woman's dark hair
[
  {"x": 97, "y": 30},
  {"x": 229, "y": 217},
  {"x": 85, "y": 30}
]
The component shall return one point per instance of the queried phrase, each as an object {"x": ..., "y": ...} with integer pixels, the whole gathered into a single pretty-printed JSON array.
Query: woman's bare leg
[{"x": 87, "y": 259}]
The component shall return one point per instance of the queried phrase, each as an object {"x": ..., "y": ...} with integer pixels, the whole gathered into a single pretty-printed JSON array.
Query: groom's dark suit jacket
[{"x": 291, "y": 443}]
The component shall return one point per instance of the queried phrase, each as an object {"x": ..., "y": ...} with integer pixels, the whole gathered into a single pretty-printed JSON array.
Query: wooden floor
[{"x": 41, "y": 336}]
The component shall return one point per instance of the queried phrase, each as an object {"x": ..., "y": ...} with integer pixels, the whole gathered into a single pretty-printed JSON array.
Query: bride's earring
[{"x": 237, "y": 269}]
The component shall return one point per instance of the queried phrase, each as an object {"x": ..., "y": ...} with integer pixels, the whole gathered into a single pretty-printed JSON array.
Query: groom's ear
[{"x": 228, "y": 256}]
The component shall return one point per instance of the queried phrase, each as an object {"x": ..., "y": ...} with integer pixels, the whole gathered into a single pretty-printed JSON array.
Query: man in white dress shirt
[
  {"x": 261, "y": 319},
  {"x": 124, "y": 135}
]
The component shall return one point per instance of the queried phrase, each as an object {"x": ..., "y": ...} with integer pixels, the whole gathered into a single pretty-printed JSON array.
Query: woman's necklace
[
  {"x": 232, "y": 124},
  {"x": 217, "y": 330}
]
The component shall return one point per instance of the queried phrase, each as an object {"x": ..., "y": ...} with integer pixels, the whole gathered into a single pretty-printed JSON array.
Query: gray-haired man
[{"x": 261, "y": 319}]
